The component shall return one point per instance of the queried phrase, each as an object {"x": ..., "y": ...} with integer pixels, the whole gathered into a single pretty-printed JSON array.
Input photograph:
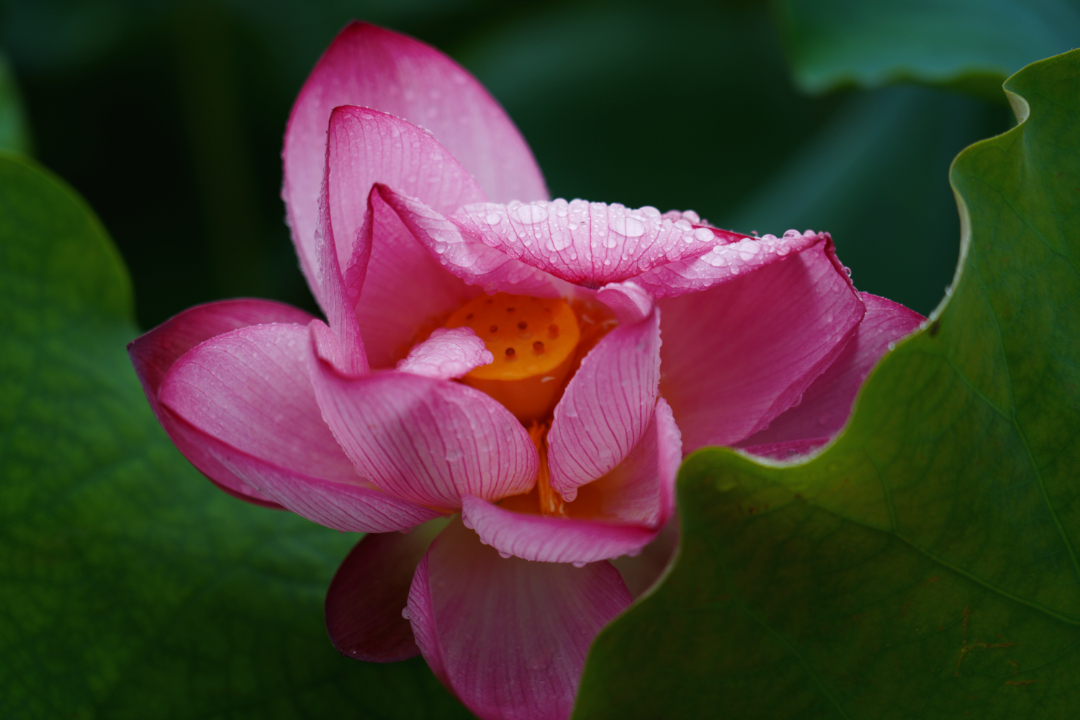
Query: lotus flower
[{"x": 490, "y": 379}]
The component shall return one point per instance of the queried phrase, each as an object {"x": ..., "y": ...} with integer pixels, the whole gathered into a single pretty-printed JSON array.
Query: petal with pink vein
[
  {"x": 590, "y": 244},
  {"x": 388, "y": 315},
  {"x": 725, "y": 262},
  {"x": 606, "y": 407},
  {"x": 154, "y": 353},
  {"x": 509, "y": 636},
  {"x": 424, "y": 440},
  {"x": 365, "y": 147},
  {"x": 447, "y": 354},
  {"x": 371, "y": 67},
  {"x": 615, "y": 515},
  {"x": 463, "y": 255},
  {"x": 826, "y": 404},
  {"x": 247, "y": 396},
  {"x": 740, "y": 353}
]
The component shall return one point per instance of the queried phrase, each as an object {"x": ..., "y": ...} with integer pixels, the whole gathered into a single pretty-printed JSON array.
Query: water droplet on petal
[
  {"x": 405, "y": 613},
  {"x": 580, "y": 564},
  {"x": 505, "y": 555},
  {"x": 703, "y": 235},
  {"x": 529, "y": 214},
  {"x": 628, "y": 226},
  {"x": 493, "y": 218}
]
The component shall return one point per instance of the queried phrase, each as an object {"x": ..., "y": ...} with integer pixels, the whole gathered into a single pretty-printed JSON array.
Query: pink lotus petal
[
  {"x": 424, "y": 440},
  {"x": 737, "y": 355},
  {"x": 509, "y": 637},
  {"x": 365, "y": 147},
  {"x": 725, "y": 262},
  {"x": 629, "y": 302},
  {"x": 606, "y": 407},
  {"x": 332, "y": 293},
  {"x": 246, "y": 398},
  {"x": 354, "y": 506},
  {"x": 463, "y": 255},
  {"x": 628, "y": 506},
  {"x": 447, "y": 354},
  {"x": 154, "y": 353},
  {"x": 640, "y": 489},
  {"x": 589, "y": 244},
  {"x": 388, "y": 311},
  {"x": 826, "y": 404},
  {"x": 371, "y": 67},
  {"x": 369, "y": 591},
  {"x": 249, "y": 388},
  {"x": 788, "y": 450},
  {"x": 551, "y": 539}
]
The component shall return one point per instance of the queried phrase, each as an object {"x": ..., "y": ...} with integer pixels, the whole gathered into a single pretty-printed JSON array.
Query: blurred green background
[{"x": 168, "y": 116}]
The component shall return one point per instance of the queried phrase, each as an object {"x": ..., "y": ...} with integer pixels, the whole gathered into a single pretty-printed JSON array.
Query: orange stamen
[{"x": 550, "y": 501}]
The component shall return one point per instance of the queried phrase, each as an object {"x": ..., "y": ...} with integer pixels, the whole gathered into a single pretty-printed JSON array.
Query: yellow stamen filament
[
  {"x": 534, "y": 341},
  {"x": 550, "y": 501}
]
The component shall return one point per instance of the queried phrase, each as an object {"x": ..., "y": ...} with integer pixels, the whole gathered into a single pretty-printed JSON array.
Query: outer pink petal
[
  {"x": 725, "y": 262},
  {"x": 447, "y": 354},
  {"x": 425, "y": 440},
  {"x": 737, "y": 355},
  {"x": 369, "y": 591},
  {"x": 508, "y": 636},
  {"x": 635, "y": 500},
  {"x": 379, "y": 69},
  {"x": 606, "y": 407},
  {"x": 247, "y": 397},
  {"x": 154, "y": 353},
  {"x": 826, "y": 404},
  {"x": 346, "y": 506},
  {"x": 589, "y": 244},
  {"x": 389, "y": 311},
  {"x": 465, "y": 256},
  {"x": 365, "y": 147}
]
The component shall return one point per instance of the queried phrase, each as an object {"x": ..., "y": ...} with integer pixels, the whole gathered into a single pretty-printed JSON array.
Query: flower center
[{"x": 534, "y": 341}]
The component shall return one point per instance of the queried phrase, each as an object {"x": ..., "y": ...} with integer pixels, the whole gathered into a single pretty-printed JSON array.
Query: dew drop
[
  {"x": 405, "y": 613},
  {"x": 529, "y": 214},
  {"x": 628, "y": 226},
  {"x": 505, "y": 555},
  {"x": 493, "y": 218},
  {"x": 580, "y": 564},
  {"x": 703, "y": 235}
]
